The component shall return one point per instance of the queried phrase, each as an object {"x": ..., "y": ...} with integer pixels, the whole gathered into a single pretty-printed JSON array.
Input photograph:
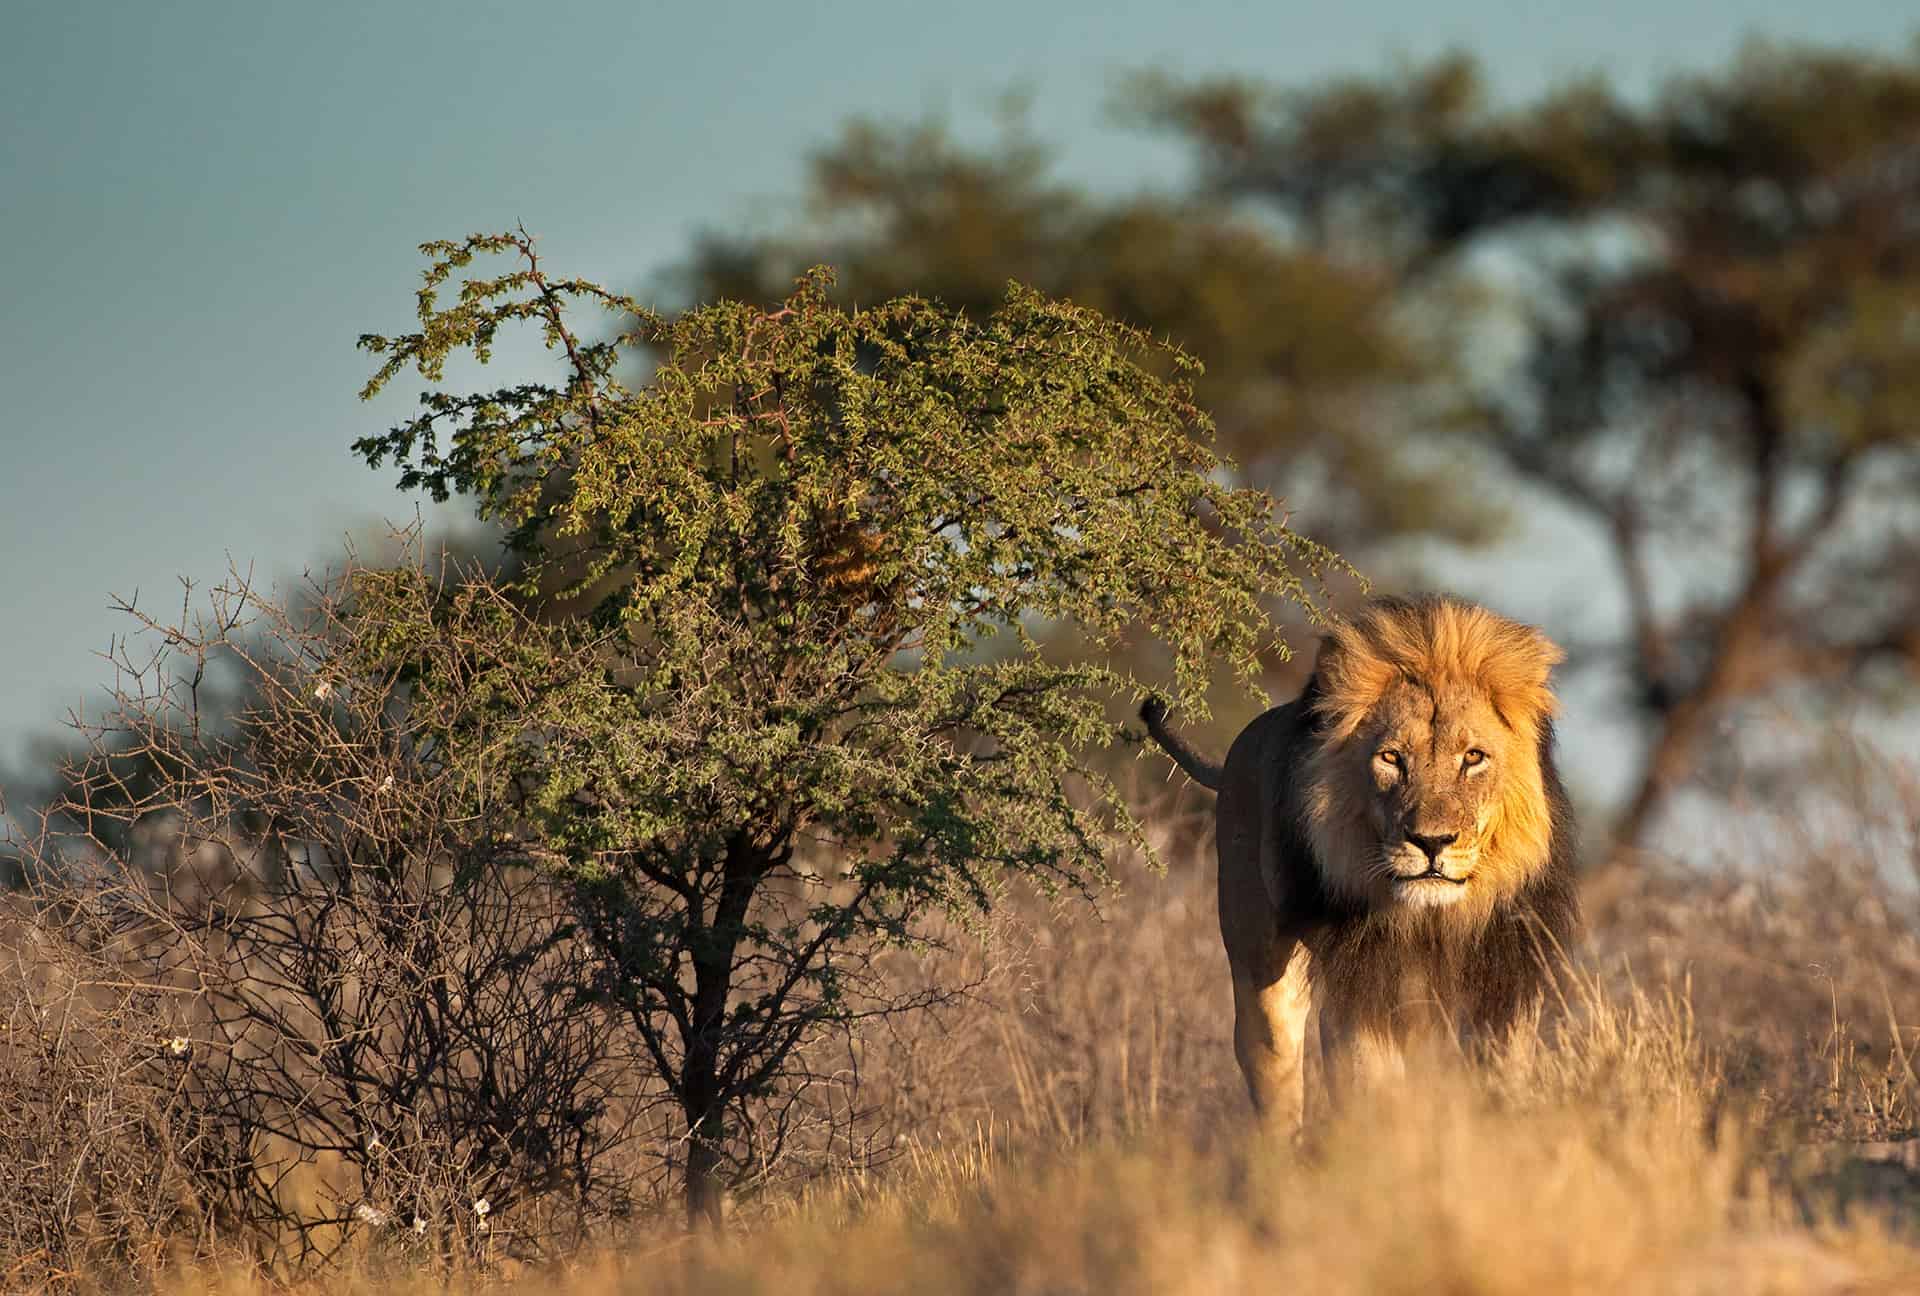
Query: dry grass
[
  {"x": 1726, "y": 1102},
  {"x": 1597, "y": 1166}
]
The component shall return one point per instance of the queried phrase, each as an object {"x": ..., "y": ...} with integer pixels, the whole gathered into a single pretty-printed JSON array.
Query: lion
[{"x": 1395, "y": 849}]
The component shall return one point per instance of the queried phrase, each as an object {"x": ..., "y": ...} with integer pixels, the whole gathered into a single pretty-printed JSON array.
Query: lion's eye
[
  {"x": 1388, "y": 757},
  {"x": 1473, "y": 757}
]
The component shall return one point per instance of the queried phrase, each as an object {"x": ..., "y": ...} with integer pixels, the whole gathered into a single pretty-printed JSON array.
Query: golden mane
[{"x": 1439, "y": 641}]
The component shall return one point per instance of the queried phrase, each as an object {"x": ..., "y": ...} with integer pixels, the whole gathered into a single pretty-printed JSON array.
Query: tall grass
[
  {"x": 1723, "y": 1100},
  {"x": 1610, "y": 1162}
]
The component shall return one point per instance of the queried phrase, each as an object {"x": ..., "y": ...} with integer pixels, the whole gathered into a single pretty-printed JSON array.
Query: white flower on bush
[
  {"x": 179, "y": 1046},
  {"x": 419, "y": 1224},
  {"x": 386, "y": 784},
  {"x": 483, "y": 1208},
  {"x": 323, "y": 690},
  {"x": 369, "y": 1214}
]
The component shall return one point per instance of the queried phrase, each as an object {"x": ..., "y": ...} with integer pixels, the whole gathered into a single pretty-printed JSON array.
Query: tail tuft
[{"x": 1198, "y": 768}]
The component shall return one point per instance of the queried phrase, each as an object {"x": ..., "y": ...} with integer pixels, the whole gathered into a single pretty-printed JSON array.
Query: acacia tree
[
  {"x": 1721, "y": 322},
  {"x": 785, "y": 742}
]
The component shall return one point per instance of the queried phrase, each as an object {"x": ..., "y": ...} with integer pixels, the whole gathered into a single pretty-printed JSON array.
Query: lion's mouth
[{"x": 1433, "y": 874}]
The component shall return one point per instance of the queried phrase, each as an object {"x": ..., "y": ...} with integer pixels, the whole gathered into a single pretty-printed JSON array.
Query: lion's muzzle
[{"x": 1425, "y": 872}]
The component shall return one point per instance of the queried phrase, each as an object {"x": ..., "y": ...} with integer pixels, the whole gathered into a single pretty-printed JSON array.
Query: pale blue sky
[{"x": 202, "y": 205}]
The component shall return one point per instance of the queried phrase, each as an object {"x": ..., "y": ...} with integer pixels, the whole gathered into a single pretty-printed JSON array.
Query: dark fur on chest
[
  {"x": 1377, "y": 969},
  {"x": 1480, "y": 980}
]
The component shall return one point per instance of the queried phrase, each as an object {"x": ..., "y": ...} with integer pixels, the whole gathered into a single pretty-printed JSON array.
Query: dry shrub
[
  {"x": 394, "y": 1051},
  {"x": 389, "y": 1026},
  {"x": 299, "y": 1074},
  {"x": 98, "y": 1145}
]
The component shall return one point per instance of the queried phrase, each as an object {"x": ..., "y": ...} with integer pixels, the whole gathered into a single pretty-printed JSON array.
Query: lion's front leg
[{"x": 1269, "y": 1025}]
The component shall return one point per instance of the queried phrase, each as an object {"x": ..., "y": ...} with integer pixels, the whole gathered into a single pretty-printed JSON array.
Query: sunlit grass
[
  {"x": 1721, "y": 1099},
  {"x": 1604, "y": 1156}
]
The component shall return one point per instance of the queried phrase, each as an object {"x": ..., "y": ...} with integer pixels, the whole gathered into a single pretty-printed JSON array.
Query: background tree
[
  {"x": 778, "y": 748},
  {"x": 1718, "y": 307}
]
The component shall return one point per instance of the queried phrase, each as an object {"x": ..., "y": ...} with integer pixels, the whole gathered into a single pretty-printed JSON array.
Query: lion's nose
[{"x": 1431, "y": 844}]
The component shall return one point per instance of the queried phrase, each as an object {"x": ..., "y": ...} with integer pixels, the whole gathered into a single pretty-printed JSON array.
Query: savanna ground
[{"x": 1725, "y": 1100}]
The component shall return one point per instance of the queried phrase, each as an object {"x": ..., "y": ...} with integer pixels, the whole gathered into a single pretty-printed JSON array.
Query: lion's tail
[{"x": 1198, "y": 767}]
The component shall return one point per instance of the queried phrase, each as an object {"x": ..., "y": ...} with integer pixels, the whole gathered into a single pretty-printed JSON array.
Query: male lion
[{"x": 1395, "y": 846}]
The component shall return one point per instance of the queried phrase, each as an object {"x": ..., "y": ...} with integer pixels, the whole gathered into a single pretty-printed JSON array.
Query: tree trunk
[
  {"x": 1677, "y": 749},
  {"x": 714, "y": 948},
  {"x": 705, "y": 1188}
]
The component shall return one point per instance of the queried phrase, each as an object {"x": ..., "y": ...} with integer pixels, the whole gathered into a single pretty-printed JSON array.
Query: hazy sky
[{"x": 202, "y": 205}]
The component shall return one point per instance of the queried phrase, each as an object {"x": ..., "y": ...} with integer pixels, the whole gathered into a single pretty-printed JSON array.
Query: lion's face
[
  {"x": 1427, "y": 791},
  {"x": 1436, "y": 761}
]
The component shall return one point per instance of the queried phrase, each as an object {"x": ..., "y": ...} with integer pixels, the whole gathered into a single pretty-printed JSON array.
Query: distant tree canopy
[
  {"x": 767, "y": 744},
  {"x": 1720, "y": 301},
  {"x": 1713, "y": 296}
]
